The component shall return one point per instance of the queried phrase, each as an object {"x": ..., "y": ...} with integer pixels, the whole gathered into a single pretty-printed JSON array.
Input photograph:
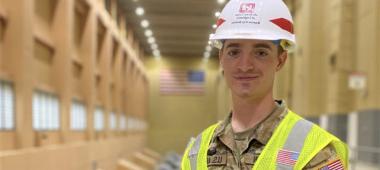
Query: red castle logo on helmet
[{"x": 247, "y": 7}]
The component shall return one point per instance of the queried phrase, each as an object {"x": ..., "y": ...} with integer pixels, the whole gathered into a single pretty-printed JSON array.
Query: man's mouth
[{"x": 246, "y": 78}]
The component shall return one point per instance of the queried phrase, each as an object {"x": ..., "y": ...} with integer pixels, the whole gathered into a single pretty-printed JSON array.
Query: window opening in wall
[
  {"x": 80, "y": 19},
  {"x": 114, "y": 52},
  {"x": 7, "y": 108},
  {"x": 333, "y": 61},
  {"x": 124, "y": 64},
  {"x": 78, "y": 116},
  {"x": 45, "y": 111},
  {"x": 100, "y": 39},
  {"x": 112, "y": 121},
  {"x": 2, "y": 30},
  {"x": 45, "y": 9},
  {"x": 2, "y": 27},
  {"x": 123, "y": 122},
  {"x": 126, "y": 31},
  {"x": 77, "y": 75},
  {"x": 99, "y": 119},
  {"x": 43, "y": 52}
]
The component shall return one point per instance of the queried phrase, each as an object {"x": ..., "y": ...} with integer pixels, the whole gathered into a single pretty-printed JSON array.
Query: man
[{"x": 260, "y": 133}]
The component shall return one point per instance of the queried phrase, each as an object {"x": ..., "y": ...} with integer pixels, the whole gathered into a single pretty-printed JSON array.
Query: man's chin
[{"x": 244, "y": 94}]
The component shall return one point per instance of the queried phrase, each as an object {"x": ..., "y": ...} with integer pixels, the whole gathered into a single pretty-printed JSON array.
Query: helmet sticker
[
  {"x": 246, "y": 14},
  {"x": 247, "y": 8}
]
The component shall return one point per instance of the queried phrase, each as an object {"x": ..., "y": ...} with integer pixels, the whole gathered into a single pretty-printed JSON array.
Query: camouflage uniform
[{"x": 229, "y": 150}]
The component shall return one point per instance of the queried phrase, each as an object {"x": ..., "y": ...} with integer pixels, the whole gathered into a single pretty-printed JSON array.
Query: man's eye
[
  {"x": 261, "y": 53},
  {"x": 233, "y": 53}
]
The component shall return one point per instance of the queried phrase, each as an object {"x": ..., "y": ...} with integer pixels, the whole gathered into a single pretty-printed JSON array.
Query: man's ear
[{"x": 281, "y": 60}]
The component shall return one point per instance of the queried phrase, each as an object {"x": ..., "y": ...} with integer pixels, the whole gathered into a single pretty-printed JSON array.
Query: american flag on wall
[{"x": 182, "y": 82}]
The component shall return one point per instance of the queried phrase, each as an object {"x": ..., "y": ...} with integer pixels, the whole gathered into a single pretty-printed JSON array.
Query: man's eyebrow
[
  {"x": 263, "y": 45},
  {"x": 233, "y": 45}
]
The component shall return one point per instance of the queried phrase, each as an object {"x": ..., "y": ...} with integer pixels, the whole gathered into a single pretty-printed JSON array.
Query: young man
[{"x": 260, "y": 133}]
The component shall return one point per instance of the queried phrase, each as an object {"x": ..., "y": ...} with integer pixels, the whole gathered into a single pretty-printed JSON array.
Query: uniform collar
[{"x": 262, "y": 131}]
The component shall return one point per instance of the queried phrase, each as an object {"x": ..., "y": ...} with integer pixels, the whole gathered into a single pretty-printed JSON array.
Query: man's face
[{"x": 250, "y": 66}]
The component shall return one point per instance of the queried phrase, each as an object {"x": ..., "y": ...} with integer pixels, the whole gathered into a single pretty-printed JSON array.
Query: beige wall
[
  {"x": 335, "y": 38},
  {"x": 75, "y": 50},
  {"x": 223, "y": 97},
  {"x": 368, "y": 52},
  {"x": 174, "y": 119}
]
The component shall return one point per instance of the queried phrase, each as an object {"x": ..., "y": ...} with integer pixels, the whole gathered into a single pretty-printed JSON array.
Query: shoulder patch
[
  {"x": 335, "y": 164},
  {"x": 286, "y": 157}
]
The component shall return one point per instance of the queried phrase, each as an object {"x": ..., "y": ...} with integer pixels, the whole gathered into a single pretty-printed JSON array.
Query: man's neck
[{"x": 247, "y": 113}]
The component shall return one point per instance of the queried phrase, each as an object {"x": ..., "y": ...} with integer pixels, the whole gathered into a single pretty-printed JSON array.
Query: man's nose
[{"x": 245, "y": 63}]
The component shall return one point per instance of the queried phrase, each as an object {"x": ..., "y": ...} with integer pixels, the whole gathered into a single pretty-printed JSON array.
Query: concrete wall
[
  {"x": 74, "y": 50},
  {"x": 367, "y": 54},
  {"x": 335, "y": 39},
  {"x": 173, "y": 119},
  {"x": 223, "y": 98}
]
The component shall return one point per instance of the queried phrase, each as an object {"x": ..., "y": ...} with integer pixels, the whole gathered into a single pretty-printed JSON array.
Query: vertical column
[
  {"x": 63, "y": 37},
  {"x": 302, "y": 23},
  {"x": 104, "y": 68},
  {"x": 324, "y": 121},
  {"x": 116, "y": 93},
  {"x": 18, "y": 48},
  {"x": 352, "y": 140},
  {"x": 378, "y": 52},
  {"x": 89, "y": 50},
  {"x": 345, "y": 57},
  {"x": 366, "y": 55}
]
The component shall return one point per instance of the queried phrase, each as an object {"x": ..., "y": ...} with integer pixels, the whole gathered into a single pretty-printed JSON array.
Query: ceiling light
[
  {"x": 217, "y": 14},
  {"x": 140, "y": 11},
  {"x": 208, "y": 48},
  {"x": 153, "y": 46},
  {"x": 206, "y": 54},
  {"x": 209, "y": 42},
  {"x": 221, "y": 1},
  {"x": 144, "y": 23},
  {"x": 148, "y": 33},
  {"x": 214, "y": 26},
  {"x": 156, "y": 53},
  {"x": 151, "y": 40}
]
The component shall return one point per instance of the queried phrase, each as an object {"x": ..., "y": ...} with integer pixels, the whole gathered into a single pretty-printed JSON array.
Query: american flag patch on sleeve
[
  {"x": 334, "y": 165},
  {"x": 286, "y": 157}
]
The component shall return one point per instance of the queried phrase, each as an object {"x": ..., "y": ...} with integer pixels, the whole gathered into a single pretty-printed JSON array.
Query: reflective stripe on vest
[
  {"x": 193, "y": 153},
  {"x": 295, "y": 140}
]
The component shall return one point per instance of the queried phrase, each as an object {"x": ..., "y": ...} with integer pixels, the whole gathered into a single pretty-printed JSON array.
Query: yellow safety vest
[{"x": 293, "y": 134}]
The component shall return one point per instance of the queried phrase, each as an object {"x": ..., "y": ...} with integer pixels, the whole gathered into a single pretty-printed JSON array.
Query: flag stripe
[
  {"x": 335, "y": 165},
  {"x": 177, "y": 82},
  {"x": 286, "y": 157}
]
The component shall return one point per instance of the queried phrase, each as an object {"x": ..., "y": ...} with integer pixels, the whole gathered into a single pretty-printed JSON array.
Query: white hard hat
[{"x": 255, "y": 19}]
